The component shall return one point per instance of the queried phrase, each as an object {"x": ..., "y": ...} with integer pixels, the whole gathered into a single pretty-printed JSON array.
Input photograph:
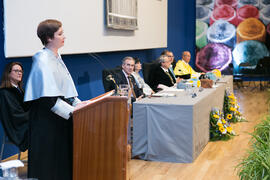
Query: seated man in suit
[
  {"x": 171, "y": 58},
  {"x": 162, "y": 76},
  {"x": 182, "y": 67},
  {"x": 125, "y": 77}
]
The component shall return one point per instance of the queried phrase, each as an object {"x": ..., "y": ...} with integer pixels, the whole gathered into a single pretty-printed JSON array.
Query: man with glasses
[{"x": 171, "y": 58}]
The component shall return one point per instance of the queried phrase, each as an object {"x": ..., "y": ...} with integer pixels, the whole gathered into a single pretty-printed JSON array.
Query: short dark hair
[
  {"x": 137, "y": 60},
  {"x": 46, "y": 30},
  {"x": 165, "y": 52},
  {"x": 5, "y": 81}
]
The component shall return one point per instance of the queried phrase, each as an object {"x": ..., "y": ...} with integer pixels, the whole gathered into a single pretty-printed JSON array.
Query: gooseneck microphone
[{"x": 110, "y": 78}]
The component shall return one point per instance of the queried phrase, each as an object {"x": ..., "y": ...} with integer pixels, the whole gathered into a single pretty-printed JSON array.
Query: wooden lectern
[{"x": 100, "y": 140}]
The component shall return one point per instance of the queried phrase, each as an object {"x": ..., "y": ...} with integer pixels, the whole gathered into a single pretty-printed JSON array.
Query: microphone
[{"x": 111, "y": 78}]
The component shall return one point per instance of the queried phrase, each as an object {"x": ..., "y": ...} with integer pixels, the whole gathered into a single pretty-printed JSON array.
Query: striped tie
[
  {"x": 170, "y": 77},
  {"x": 131, "y": 86}
]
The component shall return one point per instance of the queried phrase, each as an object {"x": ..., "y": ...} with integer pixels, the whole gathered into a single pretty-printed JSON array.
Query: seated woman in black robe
[{"x": 14, "y": 114}]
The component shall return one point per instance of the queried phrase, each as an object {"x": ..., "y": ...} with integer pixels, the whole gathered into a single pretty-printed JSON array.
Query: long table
[{"x": 175, "y": 129}]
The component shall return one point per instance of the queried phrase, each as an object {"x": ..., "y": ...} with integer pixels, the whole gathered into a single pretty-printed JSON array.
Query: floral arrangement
[
  {"x": 220, "y": 128},
  {"x": 231, "y": 108}
]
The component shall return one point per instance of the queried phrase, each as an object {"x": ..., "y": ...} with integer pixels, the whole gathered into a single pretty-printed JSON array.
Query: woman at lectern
[{"x": 52, "y": 92}]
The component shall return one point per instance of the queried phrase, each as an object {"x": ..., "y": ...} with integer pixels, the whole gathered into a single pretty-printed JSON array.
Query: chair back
[
  {"x": 264, "y": 66},
  {"x": 147, "y": 69},
  {"x": 107, "y": 84}
]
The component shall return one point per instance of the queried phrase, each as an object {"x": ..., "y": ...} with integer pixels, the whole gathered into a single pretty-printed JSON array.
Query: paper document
[{"x": 11, "y": 164}]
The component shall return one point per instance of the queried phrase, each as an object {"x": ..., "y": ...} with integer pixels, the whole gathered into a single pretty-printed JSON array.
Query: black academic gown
[
  {"x": 14, "y": 116},
  {"x": 160, "y": 77},
  {"x": 50, "y": 148}
]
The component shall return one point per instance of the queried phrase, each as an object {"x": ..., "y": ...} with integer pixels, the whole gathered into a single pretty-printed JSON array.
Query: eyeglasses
[
  {"x": 17, "y": 71},
  {"x": 170, "y": 56}
]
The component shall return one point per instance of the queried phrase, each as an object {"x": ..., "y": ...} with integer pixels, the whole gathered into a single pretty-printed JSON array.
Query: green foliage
[{"x": 256, "y": 165}]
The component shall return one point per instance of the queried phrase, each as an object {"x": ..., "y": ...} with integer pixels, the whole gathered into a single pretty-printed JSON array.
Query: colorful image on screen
[{"x": 232, "y": 35}]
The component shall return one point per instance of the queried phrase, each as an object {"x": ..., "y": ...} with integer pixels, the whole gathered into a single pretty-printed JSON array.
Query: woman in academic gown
[
  {"x": 52, "y": 92},
  {"x": 13, "y": 111}
]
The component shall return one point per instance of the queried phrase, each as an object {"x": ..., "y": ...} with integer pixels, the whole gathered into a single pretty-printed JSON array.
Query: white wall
[{"x": 84, "y": 26}]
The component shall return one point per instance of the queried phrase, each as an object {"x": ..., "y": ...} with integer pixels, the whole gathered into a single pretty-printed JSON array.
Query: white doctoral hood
[{"x": 49, "y": 77}]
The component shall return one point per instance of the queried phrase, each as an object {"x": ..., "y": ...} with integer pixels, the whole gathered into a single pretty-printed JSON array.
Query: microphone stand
[{"x": 110, "y": 78}]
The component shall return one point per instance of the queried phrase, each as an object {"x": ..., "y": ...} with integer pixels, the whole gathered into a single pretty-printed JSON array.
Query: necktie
[
  {"x": 171, "y": 69},
  {"x": 131, "y": 86},
  {"x": 170, "y": 77}
]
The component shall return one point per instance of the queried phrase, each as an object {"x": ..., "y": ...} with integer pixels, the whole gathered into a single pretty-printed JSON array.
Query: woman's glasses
[{"x": 17, "y": 71}]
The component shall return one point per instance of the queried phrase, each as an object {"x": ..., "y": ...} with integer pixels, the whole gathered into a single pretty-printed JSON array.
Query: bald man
[{"x": 183, "y": 68}]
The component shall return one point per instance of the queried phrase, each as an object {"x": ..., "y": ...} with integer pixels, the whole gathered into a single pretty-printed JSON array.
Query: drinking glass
[
  {"x": 123, "y": 89},
  {"x": 188, "y": 89},
  {"x": 10, "y": 173}
]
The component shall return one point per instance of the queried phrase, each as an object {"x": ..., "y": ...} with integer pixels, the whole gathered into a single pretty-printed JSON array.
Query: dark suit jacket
[
  {"x": 120, "y": 78},
  {"x": 160, "y": 77}
]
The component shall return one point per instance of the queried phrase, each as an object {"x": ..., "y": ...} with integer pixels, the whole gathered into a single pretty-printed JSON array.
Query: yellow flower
[
  {"x": 233, "y": 103},
  {"x": 229, "y": 129},
  {"x": 231, "y": 96},
  {"x": 221, "y": 129},
  {"x": 223, "y": 121},
  {"x": 238, "y": 113},
  {"x": 232, "y": 109},
  {"x": 219, "y": 124},
  {"x": 229, "y": 116},
  {"x": 216, "y": 116}
]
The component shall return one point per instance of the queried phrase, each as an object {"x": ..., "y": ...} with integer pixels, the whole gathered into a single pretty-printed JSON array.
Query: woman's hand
[{"x": 80, "y": 105}]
